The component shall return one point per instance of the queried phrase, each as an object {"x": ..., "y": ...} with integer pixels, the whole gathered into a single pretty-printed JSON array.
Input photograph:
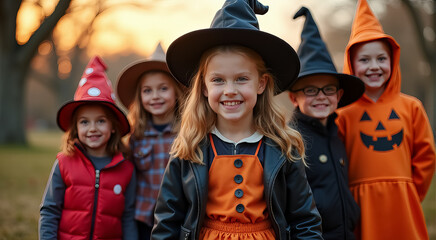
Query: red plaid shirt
[{"x": 150, "y": 155}]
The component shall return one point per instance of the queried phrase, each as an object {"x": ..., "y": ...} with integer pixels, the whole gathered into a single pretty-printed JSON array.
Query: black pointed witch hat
[
  {"x": 234, "y": 24},
  {"x": 315, "y": 59}
]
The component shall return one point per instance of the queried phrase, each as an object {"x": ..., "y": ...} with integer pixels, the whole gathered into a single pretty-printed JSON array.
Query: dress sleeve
[
  {"x": 52, "y": 204},
  {"x": 130, "y": 230},
  {"x": 423, "y": 153}
]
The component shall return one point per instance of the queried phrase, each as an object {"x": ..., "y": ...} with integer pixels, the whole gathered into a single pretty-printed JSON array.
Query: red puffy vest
[{"x": 94, "y": 200}]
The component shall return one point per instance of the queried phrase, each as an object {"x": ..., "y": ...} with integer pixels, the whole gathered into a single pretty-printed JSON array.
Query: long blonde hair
[
  {"x": 139, "y": 118},
  {"x": 71, "y": 137},
  {"x": 198, "y": 118}
]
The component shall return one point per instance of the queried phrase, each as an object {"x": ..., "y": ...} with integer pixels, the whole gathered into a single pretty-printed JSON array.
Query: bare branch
[
  {"x": 27, "y": 51},
  {"x": 101, "y": 9}
]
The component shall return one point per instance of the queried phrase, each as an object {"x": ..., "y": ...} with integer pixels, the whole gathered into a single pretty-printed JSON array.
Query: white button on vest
[{"x": 117, "y": 189}]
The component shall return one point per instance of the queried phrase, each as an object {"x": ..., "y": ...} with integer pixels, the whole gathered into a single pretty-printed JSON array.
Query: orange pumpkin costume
[
  {"x": 236, "y": 208},
  {"x": 390, "y": 147}
]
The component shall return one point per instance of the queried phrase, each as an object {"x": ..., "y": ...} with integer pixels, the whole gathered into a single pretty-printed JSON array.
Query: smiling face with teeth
[
  {"x": 158, "y": 96},
  {"x": 321, "y": 105},
  {"x": 372, "y": 64},
  {"x": 94, "y": 128},
  {"x": 232, "y": 85}
]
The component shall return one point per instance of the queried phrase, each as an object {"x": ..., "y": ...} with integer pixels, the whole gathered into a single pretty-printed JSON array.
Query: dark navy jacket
[
  {"x": 328, "y": 176},
  {"x": 182, "y": 200}
]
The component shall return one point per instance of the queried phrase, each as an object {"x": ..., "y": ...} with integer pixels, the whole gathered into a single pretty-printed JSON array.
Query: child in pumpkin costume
[
  {"x": 387, "y": 135},
  {"x": 236, "y": 170},
  {"x": 316, "y": 95}
]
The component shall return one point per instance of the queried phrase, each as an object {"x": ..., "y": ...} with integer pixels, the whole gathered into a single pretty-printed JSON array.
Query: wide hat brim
[
  {"x": 129, "y": 78},
  {"x": 65, "y": 114},
  {"x": 353, "y": 87},
  {"x": 280, "y": 58}
]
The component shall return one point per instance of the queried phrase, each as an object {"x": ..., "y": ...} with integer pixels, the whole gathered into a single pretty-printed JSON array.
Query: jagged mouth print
[{"x": 382, "y": 144}]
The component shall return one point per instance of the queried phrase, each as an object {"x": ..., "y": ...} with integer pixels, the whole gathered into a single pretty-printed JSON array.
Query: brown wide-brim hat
[
  {"x": 234, "y": 24},
  {"x": 128, "y": 80}
]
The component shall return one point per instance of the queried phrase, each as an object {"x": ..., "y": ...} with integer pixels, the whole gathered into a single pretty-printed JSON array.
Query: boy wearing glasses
[{"x": 317, "y": 93}]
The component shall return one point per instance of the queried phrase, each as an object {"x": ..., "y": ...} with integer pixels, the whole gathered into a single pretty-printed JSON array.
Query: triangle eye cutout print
[
  {"x": 393, "y": 115},
  {"x": 365, "y": 117},
  {"x": 381, "y": 143}
]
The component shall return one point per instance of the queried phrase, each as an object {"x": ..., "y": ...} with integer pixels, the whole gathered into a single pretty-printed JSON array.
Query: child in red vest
[
  {"x": 91, "y": 190},
  {"x": 387, "y": 135}
]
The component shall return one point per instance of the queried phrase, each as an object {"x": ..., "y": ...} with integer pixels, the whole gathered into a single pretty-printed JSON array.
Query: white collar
[{"x": 254, "y": 138}]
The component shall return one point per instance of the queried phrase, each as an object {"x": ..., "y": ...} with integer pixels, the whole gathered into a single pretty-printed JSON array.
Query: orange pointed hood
[{"x": 365, "y": 28}]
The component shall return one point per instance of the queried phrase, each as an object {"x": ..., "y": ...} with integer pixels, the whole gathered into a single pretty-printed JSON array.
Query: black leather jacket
[{"x": 181, "y": 204}]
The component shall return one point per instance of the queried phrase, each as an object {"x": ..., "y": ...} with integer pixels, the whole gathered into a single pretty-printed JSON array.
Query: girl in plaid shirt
[{"x": 153, "y": 97}]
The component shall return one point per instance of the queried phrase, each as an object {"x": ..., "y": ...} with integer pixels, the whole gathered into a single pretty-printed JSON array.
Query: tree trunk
[
  {"x": 429, "y": 51},
  {"x": 11, "y": 89},
  {"x": 12, "y": 117},
  {"x": 14, "y": 65}
]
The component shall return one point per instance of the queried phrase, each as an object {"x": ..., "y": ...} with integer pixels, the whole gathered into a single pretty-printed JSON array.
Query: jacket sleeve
[
  {"x": 302, "y": 214},
  {"x": 171, "y": 205},
  {"x": 130, "y": 230},
  {"x": 423, "y": 153},
  {"x": 52, "y": 204}
]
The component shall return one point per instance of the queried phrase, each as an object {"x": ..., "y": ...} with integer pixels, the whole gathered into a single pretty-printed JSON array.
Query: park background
[{"x": 46, "y": 44}]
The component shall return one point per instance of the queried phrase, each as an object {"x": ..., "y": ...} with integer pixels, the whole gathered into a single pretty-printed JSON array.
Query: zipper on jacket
[{"x": 94, "y": 211}]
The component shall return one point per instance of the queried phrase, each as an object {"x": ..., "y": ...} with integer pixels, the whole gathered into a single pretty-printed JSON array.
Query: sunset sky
[
  {"x": 124, "y": 28},
  {"x": 127, "y": 30}
]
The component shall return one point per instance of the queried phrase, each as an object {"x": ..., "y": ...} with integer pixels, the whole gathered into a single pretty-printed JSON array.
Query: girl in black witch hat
[{"x": 237, "y": 169}]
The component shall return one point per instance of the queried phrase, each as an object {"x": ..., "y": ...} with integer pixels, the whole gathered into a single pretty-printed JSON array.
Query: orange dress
[
  {"x": 390, "y": 147},
  {"x": 236, "y": 208}
]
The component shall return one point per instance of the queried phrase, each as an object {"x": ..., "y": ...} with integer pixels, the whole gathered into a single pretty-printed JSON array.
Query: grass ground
[{"x": 24, "y": 173}]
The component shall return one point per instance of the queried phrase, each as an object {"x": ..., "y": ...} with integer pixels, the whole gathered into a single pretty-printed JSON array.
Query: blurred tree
[
  {"x": 15, "y": 60},
  {"x": 58, "y": 69},
  {"x": 63, "y": 84},
  {"x": 423, "y": 15}
]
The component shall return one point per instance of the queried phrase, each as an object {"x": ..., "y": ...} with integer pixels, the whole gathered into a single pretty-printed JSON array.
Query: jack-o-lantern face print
[{"x": 386, "y": 133}]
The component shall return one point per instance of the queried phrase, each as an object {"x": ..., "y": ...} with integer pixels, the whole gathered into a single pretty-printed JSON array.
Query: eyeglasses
[{"x": 312, "y": 91}]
